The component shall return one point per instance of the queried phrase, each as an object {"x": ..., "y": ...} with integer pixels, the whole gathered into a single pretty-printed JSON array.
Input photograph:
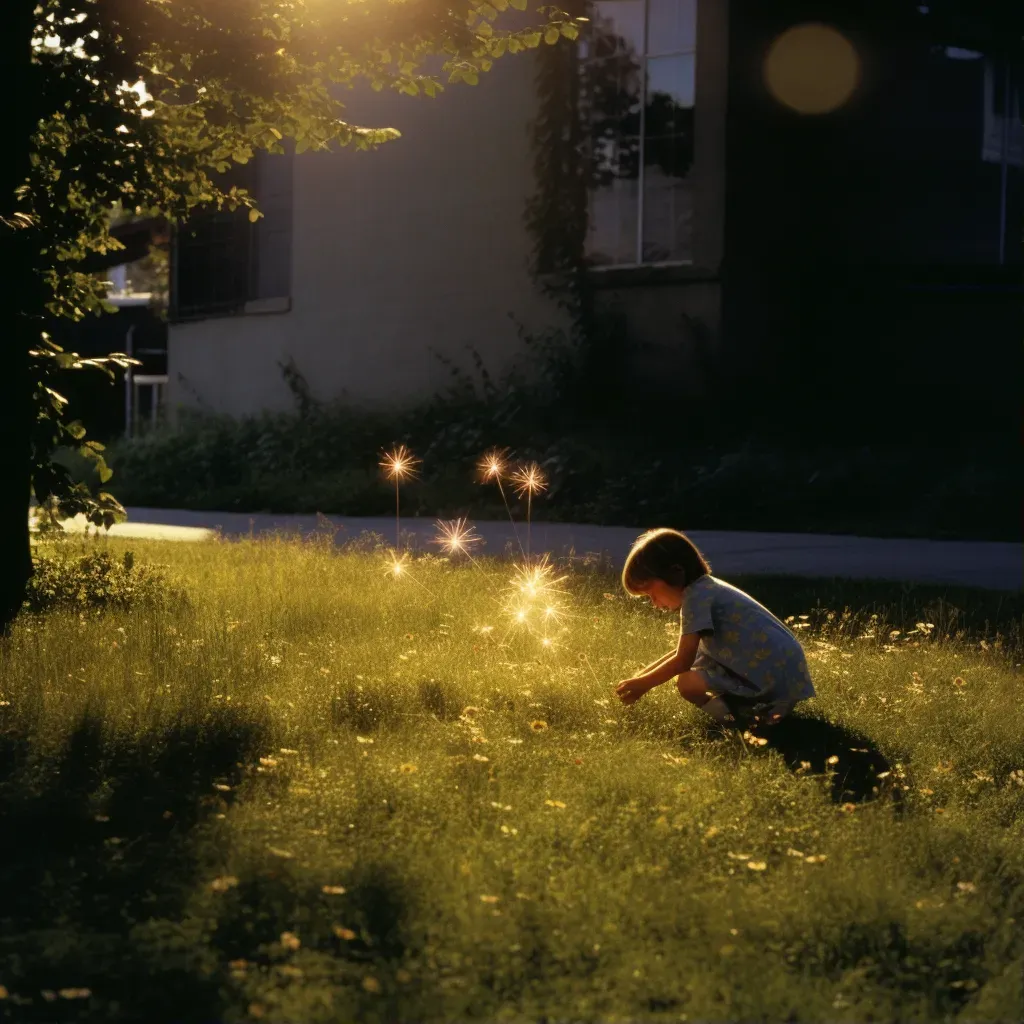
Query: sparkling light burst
[
  {"x": 398, "y": 464},
  {"x": 397, "y": 566},
  {"x": 493, "y": 465},
  {"x": 535, "y": 599},
  {"x": 456, "y": 536},
  {"x": 529, "y": 480}
]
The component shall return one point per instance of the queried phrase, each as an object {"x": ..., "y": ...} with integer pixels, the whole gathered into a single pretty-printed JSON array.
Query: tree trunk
[{"x": 20, "y": 310}]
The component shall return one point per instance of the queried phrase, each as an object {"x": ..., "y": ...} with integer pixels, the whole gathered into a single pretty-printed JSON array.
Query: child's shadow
[{"x": 807, "y": 745}]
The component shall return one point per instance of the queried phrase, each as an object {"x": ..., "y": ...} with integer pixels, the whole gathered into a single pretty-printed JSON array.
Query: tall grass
[{"x": 315, "y": 792}]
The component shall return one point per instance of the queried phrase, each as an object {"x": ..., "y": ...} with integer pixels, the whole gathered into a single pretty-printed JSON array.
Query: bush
[
  {"x": 606, "y": 462},
  {"x": 97, "y": 580}
]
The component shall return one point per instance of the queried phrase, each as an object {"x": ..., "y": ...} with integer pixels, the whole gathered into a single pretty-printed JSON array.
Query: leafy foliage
[
  {"x": 58, "y": 494},
  {"x": 96, "y": 580},
  {"x": 143, "y": 106}
]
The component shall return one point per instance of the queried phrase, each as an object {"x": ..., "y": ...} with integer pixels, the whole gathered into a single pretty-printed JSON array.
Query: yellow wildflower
[{"x": 74, "y": 993}]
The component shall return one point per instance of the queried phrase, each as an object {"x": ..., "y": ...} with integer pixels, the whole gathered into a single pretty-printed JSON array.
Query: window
[
  {"x": 1003, "y": 137},
  {"x": 638, "y": 66},
  {"x": 222, "y": 264}
]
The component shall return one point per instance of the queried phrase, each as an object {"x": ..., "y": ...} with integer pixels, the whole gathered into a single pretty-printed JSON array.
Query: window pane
[
  {"x": 617, "y": 27},
  {"x": 672, "y": 26},
  {"x": 614, "y": 203},
  {"x": 673, "y": 79},
  {"x": 668, "y": 157},
  {"x": 668, "y": 209},
  {"x": 613, "y": 97}
]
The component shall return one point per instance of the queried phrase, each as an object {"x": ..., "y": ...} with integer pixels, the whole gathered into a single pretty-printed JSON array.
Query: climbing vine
[{"x": 556, "y": 215}]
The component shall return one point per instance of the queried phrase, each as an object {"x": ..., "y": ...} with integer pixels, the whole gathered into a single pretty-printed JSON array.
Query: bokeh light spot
[{"x": 812, "y": 68}]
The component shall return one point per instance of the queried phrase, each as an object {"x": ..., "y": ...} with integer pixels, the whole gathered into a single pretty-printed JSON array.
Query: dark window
[{"x": 221, "y": 261}]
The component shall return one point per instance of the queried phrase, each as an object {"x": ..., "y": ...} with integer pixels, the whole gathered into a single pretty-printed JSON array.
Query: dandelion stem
[
  {"x": 515, "y": 529},
  {"x": 529, "y": 510}
]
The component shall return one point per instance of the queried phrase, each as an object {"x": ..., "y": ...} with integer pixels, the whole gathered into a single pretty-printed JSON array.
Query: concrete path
[{"x": 995, "y": 566}]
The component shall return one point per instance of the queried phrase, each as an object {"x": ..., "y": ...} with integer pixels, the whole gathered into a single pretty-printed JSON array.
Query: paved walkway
[{"x": 995, "y": 566}]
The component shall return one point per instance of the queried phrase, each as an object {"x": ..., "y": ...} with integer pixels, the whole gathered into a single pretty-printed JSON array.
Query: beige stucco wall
[
  {"x": 422, "y": 244},
  {"x": 419, "y": 244}
]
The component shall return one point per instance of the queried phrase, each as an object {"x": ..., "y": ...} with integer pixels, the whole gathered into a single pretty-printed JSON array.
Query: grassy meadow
[{"x": 310, "y": 791}]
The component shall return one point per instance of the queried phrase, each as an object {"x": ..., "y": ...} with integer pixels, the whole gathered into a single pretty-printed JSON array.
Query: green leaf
[
  {"x": 254, "y": 215},
  {"x": 531, "y": 39},
  {"x": 552, "y": 35},
  {"x": 569, "y": 30},
  {"x": 519, "y": 5},
  {"x": 105, "y": 473},
  {"x": 75, "y": 429}
]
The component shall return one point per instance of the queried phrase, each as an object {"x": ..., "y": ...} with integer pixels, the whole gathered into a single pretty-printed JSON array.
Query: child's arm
[
  {"x": 679, "y": 660},
  {"x": 657, "y": 664}
]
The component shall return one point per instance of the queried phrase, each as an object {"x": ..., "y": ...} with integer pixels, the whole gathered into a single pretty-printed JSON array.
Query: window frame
[{"x": 640, "y": 264}]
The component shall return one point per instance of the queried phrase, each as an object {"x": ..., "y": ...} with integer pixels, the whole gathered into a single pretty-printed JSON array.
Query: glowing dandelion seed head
[
  {"x": 399, "y": 463},
  {"x": 456, "y": 535},
  {"x": 493, "y": 466},
  {"x": 529, "y": 480},
  {"x": 396, "y": 564},
  {"x": 534, "y": 599}
]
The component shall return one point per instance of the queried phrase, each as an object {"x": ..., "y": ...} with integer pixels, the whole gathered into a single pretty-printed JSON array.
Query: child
[{"x": 735, "y": 659}]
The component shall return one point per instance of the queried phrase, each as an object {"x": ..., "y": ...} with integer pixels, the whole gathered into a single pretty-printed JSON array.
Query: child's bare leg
[{"x": 692, "y": 686}]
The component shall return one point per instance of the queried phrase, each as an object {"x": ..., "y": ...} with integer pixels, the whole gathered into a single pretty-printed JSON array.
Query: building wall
[
  {"x": 863, "y": 272},
  {"x": 415, "y": 246}
]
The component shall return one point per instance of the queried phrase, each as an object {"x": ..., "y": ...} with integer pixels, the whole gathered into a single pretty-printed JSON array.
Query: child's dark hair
[{"x": 666, "y": 555}]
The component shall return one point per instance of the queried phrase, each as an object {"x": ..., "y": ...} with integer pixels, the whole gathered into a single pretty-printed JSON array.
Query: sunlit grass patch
[{"x": 318, "y": 791}]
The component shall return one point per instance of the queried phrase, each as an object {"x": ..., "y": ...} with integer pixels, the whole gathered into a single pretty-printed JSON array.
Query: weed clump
[{"x": 97, "y": 580}]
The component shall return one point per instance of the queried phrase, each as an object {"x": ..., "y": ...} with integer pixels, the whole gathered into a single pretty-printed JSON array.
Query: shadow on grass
[
  {"x": 807, "y": 745},
  {"x": 98, "y": 859}
]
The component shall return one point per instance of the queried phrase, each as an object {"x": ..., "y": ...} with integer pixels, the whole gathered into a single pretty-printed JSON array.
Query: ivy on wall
[
  {"x": 556, "y": 215},
  {"x": 589, "y": 366}
]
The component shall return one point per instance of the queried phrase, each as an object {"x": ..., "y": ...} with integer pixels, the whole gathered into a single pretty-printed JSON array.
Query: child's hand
[{"x": 631, "y": 690}]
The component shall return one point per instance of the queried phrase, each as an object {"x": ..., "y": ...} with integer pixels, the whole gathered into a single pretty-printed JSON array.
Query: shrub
[
  {"x": 97, "y": 580},
  {"x": 605, "y": 463}
]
